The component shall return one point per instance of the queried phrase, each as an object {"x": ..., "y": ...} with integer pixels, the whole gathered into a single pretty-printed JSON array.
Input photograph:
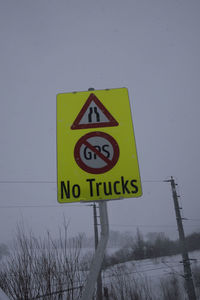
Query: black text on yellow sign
[
  {"x": 95, "y": 189},
  {"x": 96, "y": 150}
]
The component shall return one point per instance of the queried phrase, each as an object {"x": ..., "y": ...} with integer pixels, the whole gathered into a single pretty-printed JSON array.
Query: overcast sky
[{"x": 152, "y": 48}]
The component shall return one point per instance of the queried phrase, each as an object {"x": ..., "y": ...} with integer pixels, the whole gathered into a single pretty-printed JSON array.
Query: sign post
[
  {"x": 96, "y": 157},
  {"x": 99, "y": 254}
]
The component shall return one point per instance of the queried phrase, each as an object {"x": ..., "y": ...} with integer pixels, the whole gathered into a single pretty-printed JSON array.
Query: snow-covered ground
[
  {"x": 162, "y": 265},
  {"x": 150, "y": 275},
  {"x": 153, "y": 273}
]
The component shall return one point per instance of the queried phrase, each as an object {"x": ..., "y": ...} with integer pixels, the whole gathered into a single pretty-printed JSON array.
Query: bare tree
[{"x": 43, "y": 267}]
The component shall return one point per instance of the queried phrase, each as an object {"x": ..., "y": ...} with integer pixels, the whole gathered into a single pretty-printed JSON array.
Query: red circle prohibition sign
[{"x": 96, "y": 152}]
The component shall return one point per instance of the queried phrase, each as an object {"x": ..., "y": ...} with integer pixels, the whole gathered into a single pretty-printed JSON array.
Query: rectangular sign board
[{"x": 96, "y": 150}]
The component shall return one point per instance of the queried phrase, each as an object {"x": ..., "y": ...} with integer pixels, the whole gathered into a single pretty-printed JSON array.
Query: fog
[{"x": 50, "y": 47}]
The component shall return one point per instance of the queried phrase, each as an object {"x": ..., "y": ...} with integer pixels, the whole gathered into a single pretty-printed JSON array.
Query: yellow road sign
[{"x": 96, "y": 150}]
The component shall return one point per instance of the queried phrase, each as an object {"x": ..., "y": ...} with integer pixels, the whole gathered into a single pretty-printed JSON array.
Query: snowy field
[
  {"x": 154, "y": 275},
  {"x": 148, "y": 277}
]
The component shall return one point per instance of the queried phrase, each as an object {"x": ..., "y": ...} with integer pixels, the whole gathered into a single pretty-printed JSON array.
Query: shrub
[{"x": 40, "y": 268}]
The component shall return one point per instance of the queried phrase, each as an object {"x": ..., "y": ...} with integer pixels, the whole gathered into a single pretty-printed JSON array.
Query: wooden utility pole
[
  {"x": 96, "y": 239},
  {"x": 185, "y": 256}
]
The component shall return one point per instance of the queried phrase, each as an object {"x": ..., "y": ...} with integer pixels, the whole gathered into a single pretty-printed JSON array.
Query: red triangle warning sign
[{"x": 93, "y": 115}]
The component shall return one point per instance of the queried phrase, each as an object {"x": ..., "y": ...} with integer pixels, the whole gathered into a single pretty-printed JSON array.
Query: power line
[
  {"x": 141, "y": 225},
  {"x": 52, "y": 181},
  {"x": 154, "y": 181},
  {"x": 150, "y": 226},
  {"x": 45, "y": 206},
  {"x": 26, "y": 181},
  {"x": 147, "y": 270},
  {"x": 58, "y": 292},
  {"x": 79, "y": 205},
  {"x": 138, "y": 272}
]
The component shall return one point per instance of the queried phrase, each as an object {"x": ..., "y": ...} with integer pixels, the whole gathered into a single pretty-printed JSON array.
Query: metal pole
[
  {"x": 3, "y": 295},
  {"x": 185, "y": 256},
  {"x": 99, "y": 253},
  {"x": 96, "y": 235},
  {"x": 96, "y": 239}
]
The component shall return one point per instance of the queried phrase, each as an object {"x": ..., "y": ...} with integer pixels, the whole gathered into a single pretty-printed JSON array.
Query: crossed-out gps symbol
[{"x": 96, "y": 152}]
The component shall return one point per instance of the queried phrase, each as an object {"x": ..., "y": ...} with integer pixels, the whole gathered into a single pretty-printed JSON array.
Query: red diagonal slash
[
  {"x": 110, "y": 163},
  {"x": 98, "y": 153}
]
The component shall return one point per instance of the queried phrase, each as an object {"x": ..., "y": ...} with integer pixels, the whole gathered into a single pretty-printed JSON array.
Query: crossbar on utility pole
[
  {"x": 185, "y": 256},
  {"x": 99, "y": 253}
]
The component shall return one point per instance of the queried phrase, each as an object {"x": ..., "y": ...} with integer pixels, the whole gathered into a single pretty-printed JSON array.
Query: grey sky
[{"x": 150, "y": 47}]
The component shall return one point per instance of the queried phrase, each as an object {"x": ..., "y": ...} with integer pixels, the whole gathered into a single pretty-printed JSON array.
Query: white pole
[
  {"x": 99, "y": 253},
  {"x": 3, "y": 295}
]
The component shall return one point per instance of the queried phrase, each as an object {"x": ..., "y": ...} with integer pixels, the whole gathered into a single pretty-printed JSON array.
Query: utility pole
[
  {"x": 96, "y": 239},
  {"x": 185, "y": 256}
]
